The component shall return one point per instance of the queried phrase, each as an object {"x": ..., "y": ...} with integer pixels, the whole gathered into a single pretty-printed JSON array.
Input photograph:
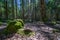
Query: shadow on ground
[
  {"x": 52, "y": 26},
  {"x": 4, "y": 36},
  {"x": 36, "y": 28}
]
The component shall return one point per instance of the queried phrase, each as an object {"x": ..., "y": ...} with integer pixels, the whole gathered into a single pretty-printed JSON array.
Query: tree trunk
[
  {"x": 43, "y": 12},
  {"x": 23, "y": 9},
  {"x": 6, "y": 9},
  {"x": 0, "y": 13},
  {"x": 16, "y": 8},
  {"x": 13, "y": 9}
]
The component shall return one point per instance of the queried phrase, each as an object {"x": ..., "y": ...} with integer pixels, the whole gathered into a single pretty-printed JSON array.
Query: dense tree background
[{"x": 30, "y": 10}]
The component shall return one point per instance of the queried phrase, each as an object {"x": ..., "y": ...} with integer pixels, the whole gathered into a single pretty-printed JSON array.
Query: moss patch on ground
[{"x": 25, "y": 32}]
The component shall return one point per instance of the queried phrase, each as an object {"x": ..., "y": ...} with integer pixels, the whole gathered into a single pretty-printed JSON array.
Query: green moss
[
  {"x": 13, "y": 27},
  {"x": 20, "y": 20},
  {"x": 25, "y": 32}
]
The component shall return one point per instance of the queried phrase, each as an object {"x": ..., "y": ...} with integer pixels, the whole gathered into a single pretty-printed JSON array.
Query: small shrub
[{"x": 13, "y": 26}]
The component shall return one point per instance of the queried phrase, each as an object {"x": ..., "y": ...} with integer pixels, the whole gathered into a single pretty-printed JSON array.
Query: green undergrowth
[
  {"x": 56, "y": 30},
  {"x": 25, "y": 32},
  {"x": 53, "y": 23}
]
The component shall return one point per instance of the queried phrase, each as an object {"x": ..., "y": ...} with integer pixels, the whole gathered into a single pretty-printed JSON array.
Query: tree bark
[
  {"x": 13, "y": 9},
  {"x": 0, "y": 13},
  {"x": 6, "y": 9},
  {"x": 16, "y": 8},
  {"x": 43, "y": 12},
  {"x": 23, "y": 9}
]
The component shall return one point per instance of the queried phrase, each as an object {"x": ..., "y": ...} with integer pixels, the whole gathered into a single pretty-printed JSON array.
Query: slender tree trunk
[
  {"x": 23, "y": 9},
  {"x": 13, "y": 9},
  {"x": 56, "y": 15},
  {"x": 35, "y": 9},
  {"x": 43, "y": 13},
  {"x": 6, "y": 9},
  {"x": 0, "y": 13},
  {"x": 16, "y": 8}
]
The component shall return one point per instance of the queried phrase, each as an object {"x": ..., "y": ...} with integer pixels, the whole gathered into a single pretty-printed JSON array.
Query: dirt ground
[{"x": 42, "y": 32}]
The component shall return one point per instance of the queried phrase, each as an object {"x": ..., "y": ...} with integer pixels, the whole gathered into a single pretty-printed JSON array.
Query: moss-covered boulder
[{"x": 13, "y": 26}]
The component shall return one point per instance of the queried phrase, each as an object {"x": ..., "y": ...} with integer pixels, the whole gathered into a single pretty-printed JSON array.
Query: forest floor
[{"x": 42, "y": 32}]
